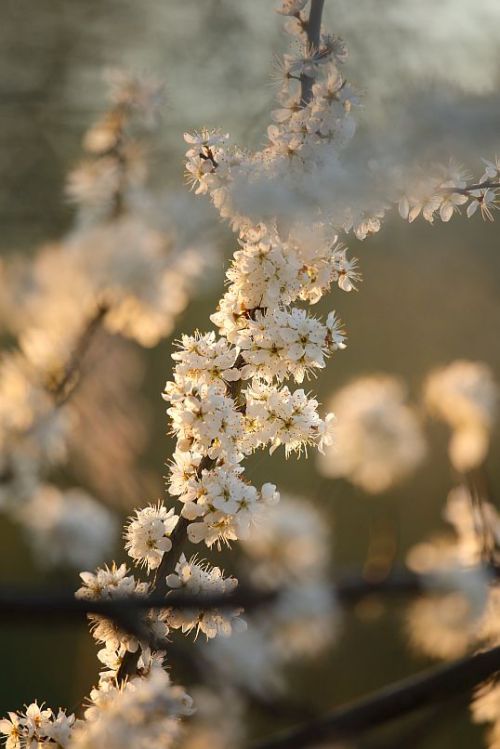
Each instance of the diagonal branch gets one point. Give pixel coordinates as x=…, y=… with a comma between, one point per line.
x=426, y=689
x=65, y=386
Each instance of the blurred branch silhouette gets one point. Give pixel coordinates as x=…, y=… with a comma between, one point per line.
x=394, y=701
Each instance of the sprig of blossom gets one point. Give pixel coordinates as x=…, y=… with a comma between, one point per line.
x=147, y=534
x=464, y=614
x=109, y=583
x=143, y=713
x=37, y=726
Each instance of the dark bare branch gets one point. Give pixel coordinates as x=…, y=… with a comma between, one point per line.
x=427, y=689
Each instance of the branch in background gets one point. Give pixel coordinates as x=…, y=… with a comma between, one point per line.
x=433, y=686
x=415, y=732
x=66, y=385
x=63, y=388
x=352, y=588
x=17, y=606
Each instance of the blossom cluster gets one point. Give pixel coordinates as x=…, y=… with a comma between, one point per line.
x=37, y=726
x=229, y=397
x=143, y=713
x=442, y=191
x=298, y=172
x=380, y=438
x=202, y=580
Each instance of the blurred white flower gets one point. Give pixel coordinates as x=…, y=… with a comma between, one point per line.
x=379, y=440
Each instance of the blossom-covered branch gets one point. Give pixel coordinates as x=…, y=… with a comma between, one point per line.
x=239, y=390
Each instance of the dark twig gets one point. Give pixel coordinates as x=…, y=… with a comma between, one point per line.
x=63, y=388
x=414, y=732
x=486, y=185
x=313, y=31
x=426, y=689
x=27, y=606
x=352, y=588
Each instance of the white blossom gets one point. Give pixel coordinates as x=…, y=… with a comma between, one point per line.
x=202, y=579
x=145, y=712
x=37, y=726
x=147, y=534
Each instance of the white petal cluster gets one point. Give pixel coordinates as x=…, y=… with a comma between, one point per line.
x=147, y=534
x=213, y=724
x=28, y=421
x=441, y=626
x=202, y=579
x=294, y=543
x=221, y=505
x=283, y=343
x=485, y=708
x=299, y=169
x=268, y=273
x=205, y=421
x=477, y=528
x=143, y=713
x=464, y=395
x=37, y=726
x=279, y=416
x=205, y=359
x=442, y=191
x=379, y=440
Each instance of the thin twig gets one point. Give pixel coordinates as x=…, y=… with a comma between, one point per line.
x=28, y=604
x=313, y=31
x=65, y=386
x=470, y=188
x=31, y=605
x=426, y=689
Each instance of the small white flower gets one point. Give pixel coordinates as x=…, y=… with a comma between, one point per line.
x=147, y=534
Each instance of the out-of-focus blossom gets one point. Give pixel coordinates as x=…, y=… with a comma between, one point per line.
x=68, y=527
x=378, y=436
x=464, y=395
x=290, y=549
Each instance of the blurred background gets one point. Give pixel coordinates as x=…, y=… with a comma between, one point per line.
x=429, y=76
